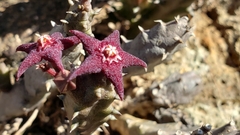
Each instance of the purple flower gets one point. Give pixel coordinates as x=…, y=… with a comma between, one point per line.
x=48, y=48
x=105, y=56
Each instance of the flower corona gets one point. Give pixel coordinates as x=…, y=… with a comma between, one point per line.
x=44, y=41
x=110, y=54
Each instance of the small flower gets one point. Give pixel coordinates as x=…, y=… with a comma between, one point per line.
x=48, y=48
x=105, y=56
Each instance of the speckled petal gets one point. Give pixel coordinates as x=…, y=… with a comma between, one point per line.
x=115, y=75
x=91, y=44
x=130, y=60
x=89, y=65
x=53, y=55
x=26, y=47
x=29, y=61
x=70, y=41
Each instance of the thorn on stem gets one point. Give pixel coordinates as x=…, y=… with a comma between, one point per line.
x=74, y=126
x=64, y=21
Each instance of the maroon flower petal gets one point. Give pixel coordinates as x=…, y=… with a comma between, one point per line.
x=27, y=63
x=90, y=43
x=130, y=60
x=26, y=47
x=89, y=65
x=70, y=41
x=115, y=76
x=113, y=39
x=54, y=55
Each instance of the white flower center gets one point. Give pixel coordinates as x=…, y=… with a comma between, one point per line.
x=110, y=54
x=44, y=42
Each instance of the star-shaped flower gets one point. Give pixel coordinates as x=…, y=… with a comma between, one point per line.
x=105, y=56
x=48, y=48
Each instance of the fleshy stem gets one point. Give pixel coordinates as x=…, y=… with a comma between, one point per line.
x=79, y=17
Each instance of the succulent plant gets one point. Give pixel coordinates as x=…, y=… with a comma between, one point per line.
x=88, y=91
